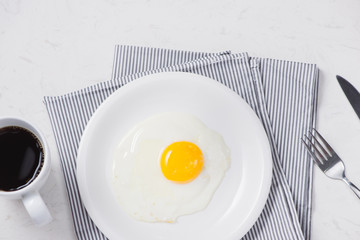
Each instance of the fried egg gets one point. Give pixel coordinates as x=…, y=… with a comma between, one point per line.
x=167, y=166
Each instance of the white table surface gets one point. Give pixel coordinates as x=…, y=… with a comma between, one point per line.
x=54, y=47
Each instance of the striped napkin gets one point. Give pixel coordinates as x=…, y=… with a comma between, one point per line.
x=282, y=93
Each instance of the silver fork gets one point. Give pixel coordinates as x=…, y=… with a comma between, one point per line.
x=327, y=159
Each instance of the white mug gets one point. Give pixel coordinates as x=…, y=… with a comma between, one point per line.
x=29, y=194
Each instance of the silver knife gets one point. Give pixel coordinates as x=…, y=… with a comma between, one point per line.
x=351, y=93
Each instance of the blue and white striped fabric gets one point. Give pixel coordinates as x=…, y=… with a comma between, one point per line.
x=282, y=93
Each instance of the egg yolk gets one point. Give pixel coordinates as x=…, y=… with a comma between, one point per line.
x=181, y=162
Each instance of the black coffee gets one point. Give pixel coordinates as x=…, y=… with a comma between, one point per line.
x=21, y=158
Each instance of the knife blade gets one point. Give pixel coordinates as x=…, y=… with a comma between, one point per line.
x=351, y=93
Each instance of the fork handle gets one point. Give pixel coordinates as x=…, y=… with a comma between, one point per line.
x=352, y=186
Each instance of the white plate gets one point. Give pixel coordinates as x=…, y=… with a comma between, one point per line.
x=240, y=198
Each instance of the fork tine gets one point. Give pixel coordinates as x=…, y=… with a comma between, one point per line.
x=326, y=153
x=324, y=141
x=313, y=155
x=321, y=157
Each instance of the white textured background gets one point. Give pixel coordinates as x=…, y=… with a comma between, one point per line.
x=54, y=47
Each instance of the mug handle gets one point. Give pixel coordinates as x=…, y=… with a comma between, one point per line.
x=36, y=208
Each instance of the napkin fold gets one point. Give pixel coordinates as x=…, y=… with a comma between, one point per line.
x=282, y=93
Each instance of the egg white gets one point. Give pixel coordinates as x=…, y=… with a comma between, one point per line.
x=138, y=182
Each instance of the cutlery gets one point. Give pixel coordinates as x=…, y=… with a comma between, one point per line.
x=351, y=93
x=327, y=159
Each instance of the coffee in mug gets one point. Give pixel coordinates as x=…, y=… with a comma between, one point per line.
x=21, y=158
